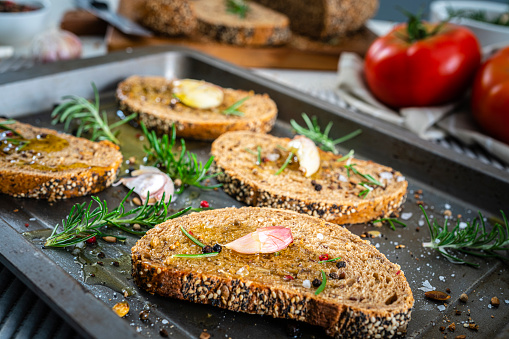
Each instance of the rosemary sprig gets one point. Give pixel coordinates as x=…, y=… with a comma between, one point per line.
x=91, y=120
x=237, y=7
x=474, y=239
x=346, y=156
x=233, y=109
x=3, y=125
x=193, y=239
x=259, y=155
x=287, y=161
x=322, y=285
x=83, y=222
x=391, y=222
x=369, y=180
x=195, y=256
x=314, y=133
x=184, y=165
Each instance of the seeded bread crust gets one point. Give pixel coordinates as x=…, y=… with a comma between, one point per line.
x=82, y=167
x=151, y=97
x=368, y=296
x=168, y=17
x=261, y=26
x=324, y=19
x=331, y=193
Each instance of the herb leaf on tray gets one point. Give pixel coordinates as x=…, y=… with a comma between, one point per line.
x=91, y=119
x=473, y=239
x=183, y=165
x=313, y=132
x=84, y=223
x=237, y=7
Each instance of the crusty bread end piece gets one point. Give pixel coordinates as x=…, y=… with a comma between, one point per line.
x=331, y=193
x=56, y=165
x=365, y=294
x=151, y=97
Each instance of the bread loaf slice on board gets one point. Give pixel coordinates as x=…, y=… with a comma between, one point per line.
x=365, y=295
x=330, y=193
x=168, y=17
x=260, y=27
x=324, y=19
x=151, y=97
x=54, y=165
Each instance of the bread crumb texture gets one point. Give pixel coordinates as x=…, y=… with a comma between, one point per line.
x=331, y=193
x=55, y=165
x=151, y=98
x=365, y=294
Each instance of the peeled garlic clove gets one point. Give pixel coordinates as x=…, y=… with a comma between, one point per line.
x=307, y=153
x=198, y=94
x=263, y=240
x=56, y=44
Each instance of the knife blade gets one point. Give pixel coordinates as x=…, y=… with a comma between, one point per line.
x=120, y=22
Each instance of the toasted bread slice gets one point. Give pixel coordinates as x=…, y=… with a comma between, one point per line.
x=151, y=98
x=365, y=294
x=261, y=26
x=333, y=193
x=168, y=17
x=51, y=165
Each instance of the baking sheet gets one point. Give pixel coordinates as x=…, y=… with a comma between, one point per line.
x=448, y=182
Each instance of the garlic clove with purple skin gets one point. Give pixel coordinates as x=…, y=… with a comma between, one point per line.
x=56, y=44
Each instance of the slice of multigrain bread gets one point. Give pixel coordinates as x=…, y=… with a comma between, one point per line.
x=365, y=295
x=260, y=27
x=324, y=19
x=44, y=164
x=168, y=17
x=333, y=192
x=151, y=97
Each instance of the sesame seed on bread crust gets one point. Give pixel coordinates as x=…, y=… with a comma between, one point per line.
x=331, y=193
x=365, y=294
x=56, y=165
x=151, y=98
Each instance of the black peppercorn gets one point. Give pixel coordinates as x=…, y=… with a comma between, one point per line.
x=340, y=264
x=318, y=187
x=207, y=249
x=144, y=315
x=333, y=275
x=317, y=282
x=101, y=255
x=163, y=333
x=217, y=248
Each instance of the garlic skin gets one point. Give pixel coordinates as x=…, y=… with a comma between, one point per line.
x=56, y=44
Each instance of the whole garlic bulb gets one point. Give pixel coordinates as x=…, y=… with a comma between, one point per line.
x=56, y=44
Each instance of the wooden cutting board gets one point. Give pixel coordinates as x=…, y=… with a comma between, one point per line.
x=300, y=53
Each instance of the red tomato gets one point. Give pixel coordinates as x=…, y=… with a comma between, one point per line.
x=490, y=96
x=406, y=68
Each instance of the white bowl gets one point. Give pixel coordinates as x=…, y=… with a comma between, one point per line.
x=487, y=33
x=19, y=28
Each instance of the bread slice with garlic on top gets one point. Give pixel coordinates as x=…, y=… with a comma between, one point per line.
x=327, y=277
x=44, y=164
x=346, y=191
x=199, y=110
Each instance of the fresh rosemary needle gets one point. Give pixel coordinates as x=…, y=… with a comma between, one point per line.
x=391, y=222
x=314, y=133
x=91, y=120
x=287, y=161
x=368, y=180
x=237, y=7
x=233, y=109
x=83, y=222
x=472, y=239
x=183, y=165
x=322, y=285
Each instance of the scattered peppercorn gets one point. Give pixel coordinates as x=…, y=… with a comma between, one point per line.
x=448, y=290
x=288, y=277
x=463, y=298
x=207, y=249
x=317, y=282
x=342, y=275
x=101, y=255
x=318, y=187
x=26, y=225
x=442, y=328
x=163, y=333
x=458, y=312
x=92, y=275
x=217, y=248
x=100, y=263
x=333, y=275
x=323, y=257
x=92, y=240
x=144, y=315
x=116, y=264
x=204, y=204
x=340, y=264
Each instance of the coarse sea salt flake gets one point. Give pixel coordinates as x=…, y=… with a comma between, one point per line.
x=406, y=216
x=306, y=284
x=442, y=278
x=463, y=225
x=421, y=222
x=447, y=206
x=319, y=236
x=164, y=322
x=342, y=178
x=386, y=175
x=426, y=286
x=400, y=178
x=441, y=308
x=506, y=301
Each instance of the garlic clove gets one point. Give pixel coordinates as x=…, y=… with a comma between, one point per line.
x=198, y=93
x=307, y=153
x=56, y=44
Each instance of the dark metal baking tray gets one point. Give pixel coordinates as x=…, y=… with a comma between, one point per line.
x=62, y=278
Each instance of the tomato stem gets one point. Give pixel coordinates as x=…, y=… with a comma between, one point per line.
x=416, y=30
